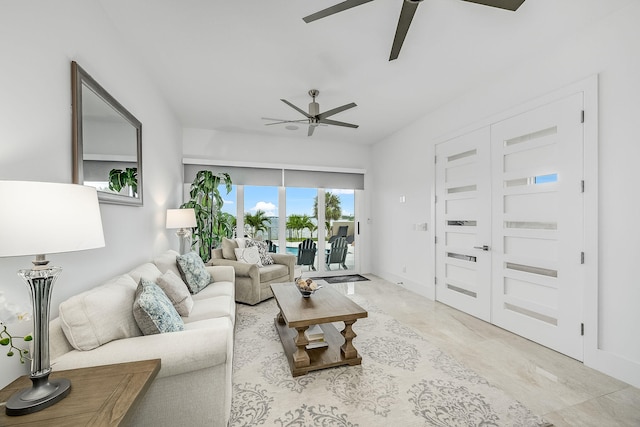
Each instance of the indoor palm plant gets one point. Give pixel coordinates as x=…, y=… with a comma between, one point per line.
x=119, y=179
x=206, y=201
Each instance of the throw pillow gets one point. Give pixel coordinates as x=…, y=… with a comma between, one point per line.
x=153, y=311
x=228, y=246
x=263, y=250
x=177, y=291
x=193, y=272
x=248, y=255
x=99, y=315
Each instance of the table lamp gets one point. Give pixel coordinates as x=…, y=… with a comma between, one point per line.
x=183, y=220
x=39, y=218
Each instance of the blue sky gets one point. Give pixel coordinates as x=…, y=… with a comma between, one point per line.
x=299, y=200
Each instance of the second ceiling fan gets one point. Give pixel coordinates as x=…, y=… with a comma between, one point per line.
x=314, y=117
x=406, y=15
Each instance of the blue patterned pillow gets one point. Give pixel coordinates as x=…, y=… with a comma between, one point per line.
x=153, y=311
x=193, y=271
x=263, y=251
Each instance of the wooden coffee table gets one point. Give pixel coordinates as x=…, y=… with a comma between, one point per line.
x=324, y=307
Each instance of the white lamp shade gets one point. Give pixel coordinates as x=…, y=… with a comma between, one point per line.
x=181, y=218
x=38, y=218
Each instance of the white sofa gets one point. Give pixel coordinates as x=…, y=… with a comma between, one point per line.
x=194, y=384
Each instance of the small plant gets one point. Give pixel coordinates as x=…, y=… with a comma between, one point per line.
x=6, y=339
x=119, y=179
x=11, y=313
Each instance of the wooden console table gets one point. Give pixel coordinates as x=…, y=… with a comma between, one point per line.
x=100, y=396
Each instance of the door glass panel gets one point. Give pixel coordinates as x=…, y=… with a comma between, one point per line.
x=261, y=212
x=341, y=229
x=302, y=225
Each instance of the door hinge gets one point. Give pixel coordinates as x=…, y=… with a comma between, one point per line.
x=582, y=186
x=435, y=159
x=581, y=257
x=435, y=239
x=581, y=329
x=582, y=116
x=435, y=199
x=435, y=280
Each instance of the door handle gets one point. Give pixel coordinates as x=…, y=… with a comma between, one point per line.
x=484, y=247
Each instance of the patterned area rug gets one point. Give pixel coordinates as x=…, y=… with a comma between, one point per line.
x=343, y=279
x=404, y=380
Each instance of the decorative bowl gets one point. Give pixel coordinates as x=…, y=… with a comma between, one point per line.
x=307, y=287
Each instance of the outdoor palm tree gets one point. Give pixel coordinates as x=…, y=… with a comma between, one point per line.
x=258, y=221
x=332, y=209
x=298, y=223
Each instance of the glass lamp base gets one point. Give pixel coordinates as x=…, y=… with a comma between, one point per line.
x=42, y=394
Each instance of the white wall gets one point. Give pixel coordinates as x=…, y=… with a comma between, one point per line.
x=608, y=48
x=38, y=41
x=307, y=151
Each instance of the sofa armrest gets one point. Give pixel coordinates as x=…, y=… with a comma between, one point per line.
x=206, y=343
x=222, y=273
x=288, y=260
x=241, y=268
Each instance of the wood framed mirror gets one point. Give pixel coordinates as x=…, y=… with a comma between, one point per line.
x=107, y=142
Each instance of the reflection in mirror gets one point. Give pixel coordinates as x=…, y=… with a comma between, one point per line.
x=107, y=142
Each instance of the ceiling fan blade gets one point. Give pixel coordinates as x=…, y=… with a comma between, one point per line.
x=296, y=108
x=348, y=4
x=512, y=5
x=337, y=123
x=280, y=121
x=406, y=16
x=311, y=129
x=336, y=110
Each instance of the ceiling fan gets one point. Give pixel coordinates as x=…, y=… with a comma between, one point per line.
x=406, y=15
x=314, y=117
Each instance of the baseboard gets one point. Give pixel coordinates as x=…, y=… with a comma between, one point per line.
x=613, y=365
x=419, y=288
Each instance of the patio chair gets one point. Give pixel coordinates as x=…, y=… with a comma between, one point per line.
x=342, y=232
x=271, y=246
x=307, y=254
x=337, y=253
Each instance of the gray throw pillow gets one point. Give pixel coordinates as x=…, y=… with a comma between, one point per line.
x=153, y=310
x=177, y=291
x=193, y=272
x=228, y=249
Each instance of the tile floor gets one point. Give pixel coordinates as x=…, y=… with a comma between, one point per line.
x=561, y=389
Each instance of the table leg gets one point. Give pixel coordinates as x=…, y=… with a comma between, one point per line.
x=280, y=318
x=300, y=357
x=348, y=350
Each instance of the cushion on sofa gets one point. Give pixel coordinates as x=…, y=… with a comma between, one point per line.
x=248, y=255
x=153, y=311
x=222, y=306
x=216, y=289
x=99, y=315
x=228, y=249
x=273, y=272
x=167, y=261
x=177, y=291
x=147, y=270
x=193, y=272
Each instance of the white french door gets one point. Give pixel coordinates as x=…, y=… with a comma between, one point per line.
x=463, y=209
x=514, y=209
x=538, y=234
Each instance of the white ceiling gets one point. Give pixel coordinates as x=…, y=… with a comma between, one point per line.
x=224, y=64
